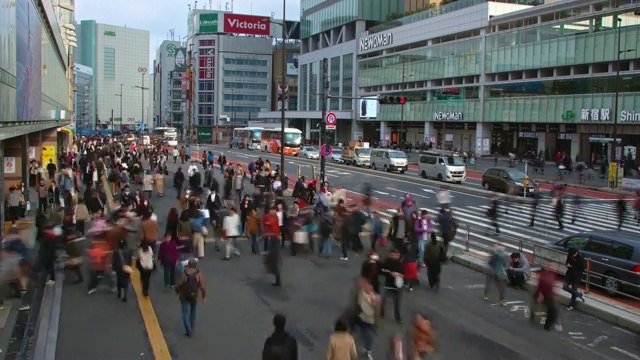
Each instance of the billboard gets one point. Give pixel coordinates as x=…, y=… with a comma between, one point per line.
x=368, y=108
x=292, y=64
x=28, y=62
x=246, y=24
x=208, y=23
x=181, y=55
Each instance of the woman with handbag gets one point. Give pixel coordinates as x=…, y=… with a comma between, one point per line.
x=121, y=264
x=145, y=265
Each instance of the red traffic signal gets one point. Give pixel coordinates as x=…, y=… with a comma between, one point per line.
x=392, y=100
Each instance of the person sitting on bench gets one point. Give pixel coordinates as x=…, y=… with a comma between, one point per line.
x=519, y=271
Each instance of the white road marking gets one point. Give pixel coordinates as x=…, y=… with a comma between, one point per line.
x=474, y=286
x=579, y=337
x=380, y=192
x=625, y=352
x=429, y=191
x=519, y=307
x=598, y=340
x=513, y=302
x=623, y=330
x=543, y=320
x=575, y=333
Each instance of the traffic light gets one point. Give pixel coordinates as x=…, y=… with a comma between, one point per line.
x=526, y=182
x=392, y=100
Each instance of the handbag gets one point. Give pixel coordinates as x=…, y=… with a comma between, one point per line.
x=399, y=282
x=127, y=269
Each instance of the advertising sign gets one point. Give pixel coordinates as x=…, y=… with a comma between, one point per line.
x=208, y=23
x=246, y=24
x=32, y=152
x=205, y=134
x=171, y=50
x=292, y=64
x=369, y=108
x=48, y=154
x=180, y=58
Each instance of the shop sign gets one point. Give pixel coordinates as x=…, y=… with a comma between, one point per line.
x=208, y=23
x=565, y=136
x=375, y=41
x=528, y=135
x=109, y=33
x=447, y=115
x=568, y=115
x=246, y=24
x=629, y=116
x=595, y=115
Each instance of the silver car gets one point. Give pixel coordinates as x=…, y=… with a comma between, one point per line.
x=336, y=156
x=308, y=152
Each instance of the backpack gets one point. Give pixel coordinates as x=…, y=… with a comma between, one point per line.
x=190, y=288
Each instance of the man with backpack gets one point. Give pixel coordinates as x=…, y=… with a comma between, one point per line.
x=188, y=287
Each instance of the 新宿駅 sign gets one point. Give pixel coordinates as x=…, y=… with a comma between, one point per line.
x=208, y=23
x=245, y=24
x=629, y=116
x=447, y=115
x=375, y=41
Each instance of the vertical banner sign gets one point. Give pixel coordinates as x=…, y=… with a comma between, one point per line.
x=32, y=152
x=207, y=64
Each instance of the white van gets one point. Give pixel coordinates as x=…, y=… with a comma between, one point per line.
x=444, y=166
x=389, y=160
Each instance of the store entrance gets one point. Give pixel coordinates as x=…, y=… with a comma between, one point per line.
x=527, y=148
x=502, y=142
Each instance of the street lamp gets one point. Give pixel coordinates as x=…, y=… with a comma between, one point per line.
x=142, y=89
x=614, y=148
x=120, y=95
x=283, y=24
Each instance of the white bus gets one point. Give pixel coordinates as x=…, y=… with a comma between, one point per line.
x=168, y=133
x=247, y=138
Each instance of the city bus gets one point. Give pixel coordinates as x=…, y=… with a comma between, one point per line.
x=168, y=133
x=247, y=138
x=271, y=141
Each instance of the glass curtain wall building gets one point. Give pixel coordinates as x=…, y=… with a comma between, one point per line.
x=499, y=78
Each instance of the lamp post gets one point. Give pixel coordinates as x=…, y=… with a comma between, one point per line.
x=120, y=95
x=614, y=153
x=142, y=89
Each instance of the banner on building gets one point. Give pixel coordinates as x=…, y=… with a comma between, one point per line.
x=245, y=24
x=292, y=64
x=181, y=56
x=286, y=97
x=208, y=23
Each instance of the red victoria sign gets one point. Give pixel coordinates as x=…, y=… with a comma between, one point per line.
x=245, y=24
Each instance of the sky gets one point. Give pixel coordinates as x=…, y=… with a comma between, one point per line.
x=159, y=16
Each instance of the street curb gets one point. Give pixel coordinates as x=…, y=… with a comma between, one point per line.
x=46, y=336
x=9, y=326
x=629, y=320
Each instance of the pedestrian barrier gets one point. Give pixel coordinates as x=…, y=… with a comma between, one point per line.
x=611, y=280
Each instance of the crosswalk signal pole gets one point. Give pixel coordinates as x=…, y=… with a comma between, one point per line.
x=324, y=96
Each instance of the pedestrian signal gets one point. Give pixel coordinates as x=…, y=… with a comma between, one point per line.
x=526, y=181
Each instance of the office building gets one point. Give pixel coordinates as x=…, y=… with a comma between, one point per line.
x=290, y=79
x=171, y=60
x=491, y=77
x=119, y=57
x=83, y=98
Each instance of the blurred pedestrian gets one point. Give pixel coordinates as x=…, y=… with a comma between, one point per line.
x=342, y=346
x=280, y=345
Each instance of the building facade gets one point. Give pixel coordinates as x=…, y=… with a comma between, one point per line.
x=119, y=57
x=83, y=98
x=36, y=67
x=492, y=77
x=290, y=79
x=230, y=64
x=170, y=56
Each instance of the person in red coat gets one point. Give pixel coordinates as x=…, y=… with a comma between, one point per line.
x=545, y=295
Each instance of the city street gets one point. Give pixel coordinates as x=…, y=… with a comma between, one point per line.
x=236, y=318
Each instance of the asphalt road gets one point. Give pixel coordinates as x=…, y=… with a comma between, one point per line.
x=236, y=318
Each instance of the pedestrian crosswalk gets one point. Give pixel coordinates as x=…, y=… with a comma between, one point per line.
x=514, y=219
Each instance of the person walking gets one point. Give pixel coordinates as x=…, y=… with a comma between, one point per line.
x=271, y=232
x=434, y=255
x=158, y=182
x=145, y=266
x=252, y=229
x=367, y=310
x=545, y=295
x=342, y=346
x=189, y=286
x=496, y=274
x=168, y=257
x=423, y=229
x=121, y=264
x=575, y=267
x=280, y=345
x=393, y=271
x=492, y=213
x=231, y=228
x=422, y=339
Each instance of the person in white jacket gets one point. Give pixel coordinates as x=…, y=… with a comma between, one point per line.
x=231, y=227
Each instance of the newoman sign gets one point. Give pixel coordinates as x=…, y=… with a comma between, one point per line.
x=376, y=41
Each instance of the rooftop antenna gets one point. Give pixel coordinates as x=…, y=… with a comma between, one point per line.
x=232, y=6
x=172, y=32
x=210, y=4
x=195, y=7
x=219, y=5
x=226, y=6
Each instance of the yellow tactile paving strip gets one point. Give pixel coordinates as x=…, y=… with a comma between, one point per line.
x=154, y=332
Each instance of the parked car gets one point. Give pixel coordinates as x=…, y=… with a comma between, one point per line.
x=442, y=165
x=336, y=156
x=309, y=152
x=615, y=258
x=508, y=181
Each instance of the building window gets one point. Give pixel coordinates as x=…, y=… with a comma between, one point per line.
x=347, y=80
x=237, y=85
x=109, y=63
x=313, y=86
x=206, y=109
x=335, y=83
x=240, y=97
x=303, y=87
x=253, y=74
x=205, y=97
x=205, y=85
x=242, y=109
x=247, y=62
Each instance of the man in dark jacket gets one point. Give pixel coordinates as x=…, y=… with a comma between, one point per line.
x=447, y=227
x=178, y=180
x=575, y=267
x=280, y=345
